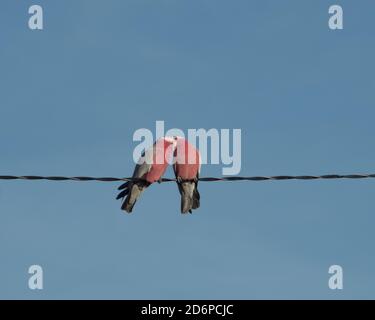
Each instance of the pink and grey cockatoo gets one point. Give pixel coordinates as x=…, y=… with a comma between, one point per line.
x=150, y=169
x=187, y=168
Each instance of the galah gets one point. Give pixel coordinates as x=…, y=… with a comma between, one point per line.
x=187, y=168
x=150, y=168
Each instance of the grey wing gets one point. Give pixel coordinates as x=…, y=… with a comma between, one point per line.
x=139, y=171
x=145, y=166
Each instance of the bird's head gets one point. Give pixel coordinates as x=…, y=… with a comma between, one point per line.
x=172, y=140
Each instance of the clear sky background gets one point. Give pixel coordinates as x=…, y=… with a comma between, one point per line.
x=72, y=95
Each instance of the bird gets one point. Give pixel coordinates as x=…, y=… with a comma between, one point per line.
x=149, y=169
x=187, y=165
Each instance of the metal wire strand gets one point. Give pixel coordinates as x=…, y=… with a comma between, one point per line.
x=205, y=179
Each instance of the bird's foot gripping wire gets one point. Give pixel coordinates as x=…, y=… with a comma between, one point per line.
x=180, y=180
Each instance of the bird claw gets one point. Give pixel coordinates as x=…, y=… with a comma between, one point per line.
x=179, y=179
x=160, y=180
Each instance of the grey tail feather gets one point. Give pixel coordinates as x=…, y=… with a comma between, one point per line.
x=196, y=198
x=124, y=186
x=189, y=203
x=122, y=194
x=186, y=204
x=196, y=195
x=127, y=205
x=130, y=200
x=188, y=198
x=125, y=190
x=132, y=191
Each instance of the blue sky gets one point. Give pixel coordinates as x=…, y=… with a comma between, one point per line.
x=73, y=94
